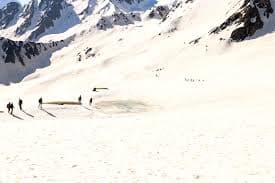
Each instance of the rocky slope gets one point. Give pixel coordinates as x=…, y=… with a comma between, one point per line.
x=40, y=18
x=28, y=15
x=252, y=16
x=53, y=10
x=8, y=13
x=47, y=20
x=22, y=52
x=18, y=58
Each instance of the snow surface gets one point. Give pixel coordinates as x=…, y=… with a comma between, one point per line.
x=173, y=112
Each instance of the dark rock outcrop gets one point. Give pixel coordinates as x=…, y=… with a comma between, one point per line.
x=249, y=17
x=8, y=14
x=19, y=51
x=131, y=1
x=27, y=14
x=107, y=22
x=52, y=12
x=159, y=12
x=18, y=59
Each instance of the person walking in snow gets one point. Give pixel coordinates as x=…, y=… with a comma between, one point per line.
x=20, y=103
x=79, y=99
x=40, y=101
x=8, y=107
x=91, y=101
x=11, y=108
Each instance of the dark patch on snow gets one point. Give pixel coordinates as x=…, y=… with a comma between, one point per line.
x=195, y=41
x=87, y=52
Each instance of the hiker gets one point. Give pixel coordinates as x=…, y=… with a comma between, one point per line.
x=20, y=102
x=91, y=101
x=79, y=99
x=8, y=107
x=11, y=108
x=40, y=101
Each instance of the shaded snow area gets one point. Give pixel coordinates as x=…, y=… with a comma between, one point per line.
x=162, y=100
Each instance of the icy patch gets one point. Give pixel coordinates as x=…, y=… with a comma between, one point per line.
x=122, y=106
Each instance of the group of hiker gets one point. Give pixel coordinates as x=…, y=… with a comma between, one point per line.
x=80, y=100
x=10, y=105
x=10, y=108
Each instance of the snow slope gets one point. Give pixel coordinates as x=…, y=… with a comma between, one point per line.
x=173, y=111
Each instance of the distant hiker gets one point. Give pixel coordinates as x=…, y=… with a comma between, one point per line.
x=8, y=107
x=11, y=108
x=20, y=103
x=91, y=101
x=40, y=101
x=79, y=99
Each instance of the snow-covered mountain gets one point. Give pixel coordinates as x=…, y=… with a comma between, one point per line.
x=55, y=20
x=172, y=91
x=39, y=18
x=238, y=19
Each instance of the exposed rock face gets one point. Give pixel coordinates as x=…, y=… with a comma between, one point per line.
x=107, y=22
x=41, y=17
x=89, y=9
x=52, y=11
x=38, y=17
x=19, y=51
x=44, y=4
x=8, y=14
x=27, y=14
x=21, y=58
x=159, y=12
x=249, y=17
x=131, y=1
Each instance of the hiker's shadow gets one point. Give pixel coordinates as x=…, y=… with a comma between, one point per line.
x=86, y=108
x=17, y=117
x=27, y=113
x=50, y=114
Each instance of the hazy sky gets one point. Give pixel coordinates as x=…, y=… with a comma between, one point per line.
x=23, y=1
